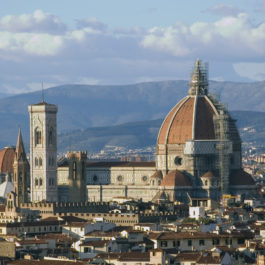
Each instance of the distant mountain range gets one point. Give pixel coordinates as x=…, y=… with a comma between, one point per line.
x=141, y=134
x=84, y=109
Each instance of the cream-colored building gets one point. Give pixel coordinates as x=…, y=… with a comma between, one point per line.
x=198, y=157
x=43, y=152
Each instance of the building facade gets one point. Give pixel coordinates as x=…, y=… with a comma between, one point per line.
x=43, y=152
x=198, y=156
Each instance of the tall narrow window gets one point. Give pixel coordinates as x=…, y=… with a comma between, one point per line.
x=36, y=162
x=40, y=181
x=36, y=182
x=74, y=170
x=40, y=161
x=20, y=178
x=37, y=136
x=50, y=136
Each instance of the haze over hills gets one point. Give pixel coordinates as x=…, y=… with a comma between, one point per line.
x=141, y=134
x=86, y=106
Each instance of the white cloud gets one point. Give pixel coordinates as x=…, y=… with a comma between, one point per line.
x=93, y=53
x=36, y=22
x=92, y=23
x=253, y=71
x=223, y=10
x=230, y=38
x=30, y=43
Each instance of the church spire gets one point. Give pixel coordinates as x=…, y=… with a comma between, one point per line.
x=20, y=150
x=199, y=79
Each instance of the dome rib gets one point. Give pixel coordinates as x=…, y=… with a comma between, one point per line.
x=204, y=126
x=163, y=133
x=190, y=119
x=7, y=156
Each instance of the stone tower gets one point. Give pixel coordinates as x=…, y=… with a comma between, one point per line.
x=21, y=178
x=77, y=176
x=43, y=152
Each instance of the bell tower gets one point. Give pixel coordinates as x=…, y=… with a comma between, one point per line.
x=21, y=172
x=43, y=152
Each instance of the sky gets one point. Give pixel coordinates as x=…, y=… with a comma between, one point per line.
x=113, y=42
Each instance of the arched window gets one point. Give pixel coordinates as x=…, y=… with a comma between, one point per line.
x=206, y=183
x=50, y=136
x=74, y=170
x=36, y=182
x=37, y=136
x=20, y=177
x=51, y=182
x=40, y=181
x=36, y=162
x=40, y=161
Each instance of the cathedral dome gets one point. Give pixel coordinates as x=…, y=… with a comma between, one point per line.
x=241, y=177
x=192, y=117
x=176, y=178
x=7, y=156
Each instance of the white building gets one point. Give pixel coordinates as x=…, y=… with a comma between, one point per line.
x=43, y=152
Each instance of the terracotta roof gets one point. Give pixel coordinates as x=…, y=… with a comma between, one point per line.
x=76, y=224
x=158, y=174
x=27, y=224
x=209, y=259
x=191, y=118
x=135, y=256
x=204, y=126
x=32, y=242
x=45, y=262
x=188, y=256
x=197, y=235
x=176, y=178
x=240, y=177
x=96, y=243
x=208, y=174
x=7, y=156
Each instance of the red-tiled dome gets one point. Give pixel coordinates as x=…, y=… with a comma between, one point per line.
x=208, y=175
x=191, y=118
x=176, y=178
x=157, y=175
x=7, y=156
x=240, y=177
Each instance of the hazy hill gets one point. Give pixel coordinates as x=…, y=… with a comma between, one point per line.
x=84, y=106
x=144, y=133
